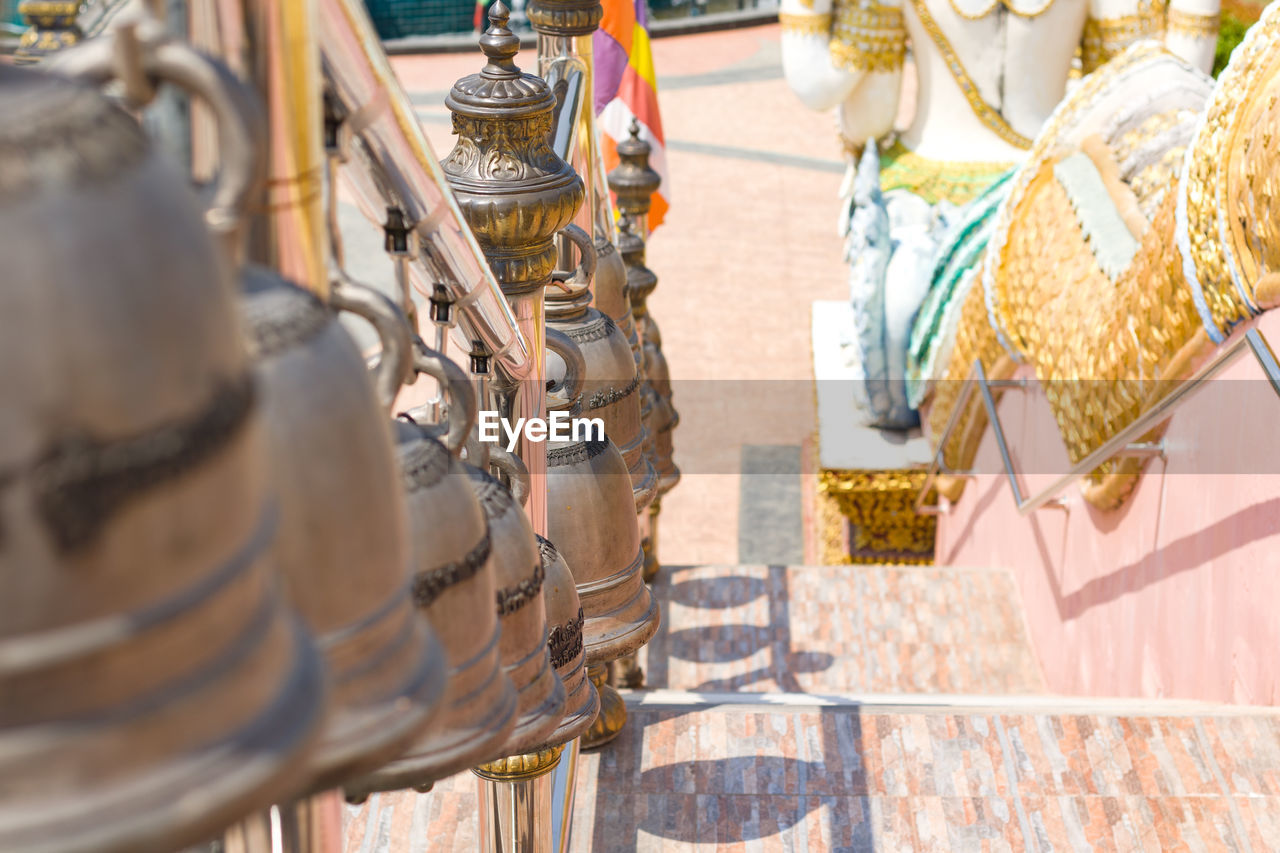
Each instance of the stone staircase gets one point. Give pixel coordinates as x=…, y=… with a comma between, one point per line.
x=874, y=708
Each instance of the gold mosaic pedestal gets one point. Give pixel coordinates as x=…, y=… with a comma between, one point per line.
x=880, y=509
x=51, y=26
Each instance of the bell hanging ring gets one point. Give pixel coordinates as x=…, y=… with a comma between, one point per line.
x=454, y=588
x=155, y=686
x=455, y=428
x=612, y=384
x=343, y=548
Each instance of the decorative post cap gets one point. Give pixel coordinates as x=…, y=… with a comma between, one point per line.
x=633, y=181
x=514, y=191
x=565, y=17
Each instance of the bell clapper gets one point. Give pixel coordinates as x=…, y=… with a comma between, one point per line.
x=626, y=672
x=309, y=825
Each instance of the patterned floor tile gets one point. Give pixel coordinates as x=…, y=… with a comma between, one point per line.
x=839, y=779
x=839, y=630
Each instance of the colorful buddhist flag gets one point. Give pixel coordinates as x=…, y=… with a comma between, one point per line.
x=627, y=88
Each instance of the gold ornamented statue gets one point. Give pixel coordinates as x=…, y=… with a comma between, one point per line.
x=1141, y=230
x=925, y=189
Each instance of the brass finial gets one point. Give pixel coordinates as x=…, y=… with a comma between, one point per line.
x=500, y=44
x=633, y=181
x=513, y=189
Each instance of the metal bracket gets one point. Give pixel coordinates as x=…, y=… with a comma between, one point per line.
x=977, y=378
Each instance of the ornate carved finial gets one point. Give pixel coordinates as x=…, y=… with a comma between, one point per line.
x=633, y=181
x=500, y=44
x=513, y=189
x=565, y=17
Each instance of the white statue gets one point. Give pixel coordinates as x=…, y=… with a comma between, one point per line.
x=989, y=74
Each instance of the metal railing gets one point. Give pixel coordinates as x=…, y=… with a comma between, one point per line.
x=1121, y=445
x=393, y=164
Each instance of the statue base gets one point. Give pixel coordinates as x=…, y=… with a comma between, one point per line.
x=880, y=508
x=868, y=476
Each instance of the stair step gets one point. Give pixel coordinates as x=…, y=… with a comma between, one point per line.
x=713, y=770
x=840, y=629
x=936, y=703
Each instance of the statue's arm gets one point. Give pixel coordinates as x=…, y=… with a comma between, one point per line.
x=1189, y=28
x=846, y=54
x=1191, y=31
x=1113, y=25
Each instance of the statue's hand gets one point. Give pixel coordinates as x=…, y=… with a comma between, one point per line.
x=860, y=188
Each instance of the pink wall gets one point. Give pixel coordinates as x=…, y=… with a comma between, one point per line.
x=1177, y=593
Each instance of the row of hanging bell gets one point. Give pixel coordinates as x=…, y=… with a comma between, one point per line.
x=344, y=545
x=590, y=496
x=641, y=282
x=172, y=673
x=156, y=684
x=514, y=635
x=634, y=182
x=591, y=514
x=613, y=382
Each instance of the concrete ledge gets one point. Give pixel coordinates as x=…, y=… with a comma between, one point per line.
x=939, y=703
x=842, y=443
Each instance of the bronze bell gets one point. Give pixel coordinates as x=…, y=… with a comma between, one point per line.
x=518, y=572
x=666, y=418
x=454, y=586
x=612, y=384
x=343, y=547
x=641, y=282
x=591, y=517
x=634, y=182
x=610, y=295
x=564, y=641
x=155, y=686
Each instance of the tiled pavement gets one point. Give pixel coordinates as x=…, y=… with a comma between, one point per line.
x=747, y=778
x=872, y=708
x=845, y=629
